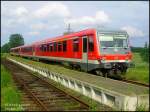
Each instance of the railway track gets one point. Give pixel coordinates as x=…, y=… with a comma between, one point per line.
x=41, y=95
x=135, y=82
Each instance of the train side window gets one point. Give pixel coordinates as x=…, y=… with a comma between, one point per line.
x=91, y=44
x=40, y=48
x=33, y=49
x=76, y=45
x=55, y=46
x=64, y=46
x=47, y=47
x=51, y=47
x=44, y=48
x=59, y=46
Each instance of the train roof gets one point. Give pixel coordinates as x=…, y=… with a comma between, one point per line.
x=22, y=46
x=79, y=32
x=112, y=31
x=72, y=34
x=65, y=36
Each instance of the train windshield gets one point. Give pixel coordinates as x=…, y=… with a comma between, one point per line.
x=113, y=41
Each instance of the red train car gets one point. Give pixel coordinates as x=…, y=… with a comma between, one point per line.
x=90, y=50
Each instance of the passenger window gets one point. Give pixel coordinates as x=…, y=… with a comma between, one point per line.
x=55, y=46
x=44, y=48
x=76, y=45
x=47, y=47
x=64, y=46
x=41, y=48
x=33, y=49
x=51, y=47
x=91, y=44
x=59, y=46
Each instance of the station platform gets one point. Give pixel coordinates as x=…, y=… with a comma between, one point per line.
x=116, y=94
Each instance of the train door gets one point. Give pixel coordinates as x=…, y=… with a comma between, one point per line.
x=85, y=53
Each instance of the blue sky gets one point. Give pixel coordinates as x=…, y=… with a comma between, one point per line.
x=37, y=20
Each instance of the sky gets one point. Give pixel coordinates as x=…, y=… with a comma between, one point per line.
x=38, y=20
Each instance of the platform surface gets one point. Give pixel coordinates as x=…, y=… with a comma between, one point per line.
x=98, y=81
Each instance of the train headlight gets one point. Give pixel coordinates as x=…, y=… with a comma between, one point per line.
x=103, y=58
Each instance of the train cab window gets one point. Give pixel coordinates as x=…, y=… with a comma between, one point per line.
x=76, y=45
x=51, y=47
x=59, y=46
x=55, y=46
x=64, y=46
x=91, y=44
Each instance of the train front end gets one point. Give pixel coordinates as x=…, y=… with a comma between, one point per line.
x=115, y=54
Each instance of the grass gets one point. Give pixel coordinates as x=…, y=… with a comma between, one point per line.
x=10, y=96
x=4, y=55
x=140, y=72
x=141, y=108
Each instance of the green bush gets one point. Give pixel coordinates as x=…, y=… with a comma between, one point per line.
x=10, y=96
x=144, y=52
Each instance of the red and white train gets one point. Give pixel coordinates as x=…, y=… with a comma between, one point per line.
x=90, y=50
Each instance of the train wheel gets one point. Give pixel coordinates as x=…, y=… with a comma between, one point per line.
x=98, y=72
x=118, y=74
x=111, y=73
x=79, y=68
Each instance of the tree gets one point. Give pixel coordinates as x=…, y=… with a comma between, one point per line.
x=5, y=48
x=16, y=40
x=145, y=45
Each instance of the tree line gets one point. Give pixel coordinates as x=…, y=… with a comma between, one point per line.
x=143, y=51
x=14, y=41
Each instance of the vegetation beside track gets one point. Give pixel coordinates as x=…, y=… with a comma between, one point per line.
x=140, y=72
x=10, y=96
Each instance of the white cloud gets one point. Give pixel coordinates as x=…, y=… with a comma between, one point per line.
x=99, y=18
x=52, y=9
x=20, y=11
x=39, y=26
x=133, y=32
x=13, y=17
x=34, y=33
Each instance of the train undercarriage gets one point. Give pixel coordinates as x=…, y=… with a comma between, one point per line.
x=114, y=70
